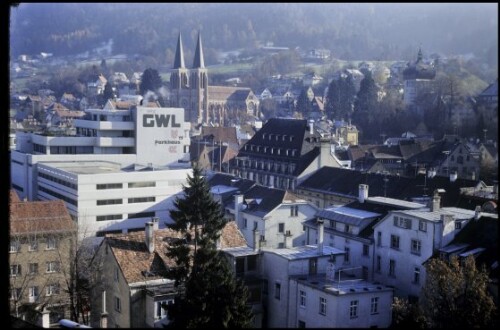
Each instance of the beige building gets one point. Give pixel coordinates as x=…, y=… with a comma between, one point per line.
x=132, y=277
x=41, y=241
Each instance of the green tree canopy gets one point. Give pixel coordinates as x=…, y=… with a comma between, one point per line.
x=150, y=81
x=209, y=294
x=340, y=98
x=304, y=104
x=455, y=295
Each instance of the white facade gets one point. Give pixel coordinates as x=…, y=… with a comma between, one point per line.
x=283, y=222
x=314, y=271
x=406, y=239
x=147, y=136
x=104, y=197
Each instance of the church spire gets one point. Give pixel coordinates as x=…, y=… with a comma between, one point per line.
x=419, y=56
x=199, y=62
x=179, y=55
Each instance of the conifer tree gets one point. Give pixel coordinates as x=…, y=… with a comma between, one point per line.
x=209, y=294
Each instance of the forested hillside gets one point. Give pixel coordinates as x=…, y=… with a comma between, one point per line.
x=351, y=31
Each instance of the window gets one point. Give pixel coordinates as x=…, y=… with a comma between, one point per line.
x=160, y=312
x=392, y=268
x=313, y=266
x=33, y=293
x=245, y=222
x=141, y=200
x=347, y=256
x=33, y=245
x=118, y=304
x=333, y=224
x=374, y=306
x=33, y=268
x=14, y=247
x=117, y=274
x=15, y=293
x=277, y=290
x=52, y=266
x=109, y=186
x=379, y=238
x=415, y=246
x=416, y=275
x=322, y=306
x=141, y=184
x=353, y=311
x=52, y=289
x=51, y=243
x=379, y=262
x=141, y=215
x=108, y=217
x=301, y=324
x=294, y=210
x=109, y=201
x=15, y=270
x=281, y=227
x=255, y=225
x=347, y=228
x=402, y=222
x=302, y=299
x=366, y=249
x=422, y=225
x=395, y=242
x=458, y=225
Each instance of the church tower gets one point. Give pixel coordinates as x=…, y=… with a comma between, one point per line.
x=179, y=81
x=199, y=86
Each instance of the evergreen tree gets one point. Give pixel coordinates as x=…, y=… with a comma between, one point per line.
x=209, y=294
x=340, y=97
x=150, y=81
x=455, y=295
x=304, y=104
x=366, y=103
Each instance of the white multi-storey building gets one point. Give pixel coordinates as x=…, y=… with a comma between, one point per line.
x=104, y=197
x=139, y=135
x=405, y=239
x=308, y=287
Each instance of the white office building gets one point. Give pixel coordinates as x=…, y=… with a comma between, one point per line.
x=139, y=135
x=123, y=166
x=104, y=197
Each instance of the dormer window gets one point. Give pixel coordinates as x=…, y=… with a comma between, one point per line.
x=263, y=136
x=284, y=137
x=291, y=138
x=270, y=137
x=279, y=151
x=277, y=137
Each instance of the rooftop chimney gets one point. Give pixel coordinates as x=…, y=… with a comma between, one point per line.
x=156, y=222
x=288, y=239
x=149, y=237
x=311, y=126
x=255, y=240
x=363, y=193
x=44, y=318
x=436, y=202
x=477, y=213
x=431, y=173
x=238, y=202
x=320, y=236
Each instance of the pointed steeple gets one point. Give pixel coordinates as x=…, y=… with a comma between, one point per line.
x=419, y=56
x=179, y=55
x=199, y=62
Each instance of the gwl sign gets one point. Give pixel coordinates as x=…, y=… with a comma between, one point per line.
x=159, y=121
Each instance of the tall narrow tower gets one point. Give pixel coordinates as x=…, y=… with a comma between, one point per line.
x=199, y=86
x=179, y=81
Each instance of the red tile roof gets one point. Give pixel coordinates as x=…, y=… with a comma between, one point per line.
x=40, y=217
x=134, y=259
